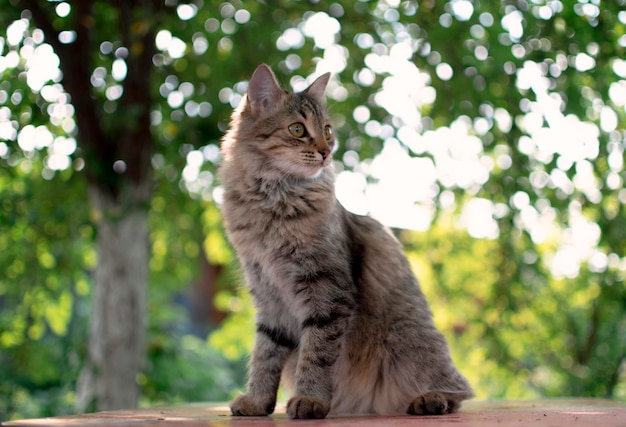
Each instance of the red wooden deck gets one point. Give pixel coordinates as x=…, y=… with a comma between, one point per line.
x=544, y=413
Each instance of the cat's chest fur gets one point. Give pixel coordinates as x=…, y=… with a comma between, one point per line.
x=266, y=214
x=283, y=225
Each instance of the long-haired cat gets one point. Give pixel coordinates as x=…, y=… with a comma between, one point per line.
x=340, y=315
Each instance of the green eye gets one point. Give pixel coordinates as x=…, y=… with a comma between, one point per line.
x=296, y=129
x=328, y=133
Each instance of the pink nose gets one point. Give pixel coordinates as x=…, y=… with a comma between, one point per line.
x=325, y=152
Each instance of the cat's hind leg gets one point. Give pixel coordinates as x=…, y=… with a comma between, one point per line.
x=435, y=403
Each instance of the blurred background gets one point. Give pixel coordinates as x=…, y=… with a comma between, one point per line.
x=488, y=134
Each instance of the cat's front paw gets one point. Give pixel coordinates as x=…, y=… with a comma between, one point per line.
x=244, y=406
x=302, y=407
x=432, y=403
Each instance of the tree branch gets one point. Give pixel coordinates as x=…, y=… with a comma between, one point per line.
x=75, y=63
x=585, y=352
x=136, y=144
x=42, y=20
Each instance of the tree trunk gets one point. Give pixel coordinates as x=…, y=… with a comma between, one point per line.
x=118, y=321
x=204, y=314
x=119, y=197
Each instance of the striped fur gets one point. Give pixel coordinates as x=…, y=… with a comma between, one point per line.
x=340, y=316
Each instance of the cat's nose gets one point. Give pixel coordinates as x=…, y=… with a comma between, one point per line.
x=325, y=152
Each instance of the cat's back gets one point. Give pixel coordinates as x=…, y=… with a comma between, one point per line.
x=379, y=257
x=393, y=350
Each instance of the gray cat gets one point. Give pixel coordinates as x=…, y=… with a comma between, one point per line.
x=340, y=315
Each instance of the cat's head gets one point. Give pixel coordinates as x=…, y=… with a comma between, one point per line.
x=289, y=132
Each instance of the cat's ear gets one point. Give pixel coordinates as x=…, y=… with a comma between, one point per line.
x=318, y=87
x=264, y=93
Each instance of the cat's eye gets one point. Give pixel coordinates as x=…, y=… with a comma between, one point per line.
x=328, y=133
x=296, y=129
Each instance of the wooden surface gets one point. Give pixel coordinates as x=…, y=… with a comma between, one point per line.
x=545, y=413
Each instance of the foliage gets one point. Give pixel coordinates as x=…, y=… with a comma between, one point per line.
x=517, y=107
x=528, y=335
x=186, y=370
x=45, y=251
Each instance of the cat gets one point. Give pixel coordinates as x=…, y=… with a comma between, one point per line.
x=340, y=315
